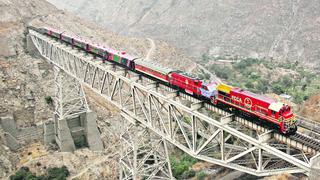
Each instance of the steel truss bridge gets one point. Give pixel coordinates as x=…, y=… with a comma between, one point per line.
x=158, y=114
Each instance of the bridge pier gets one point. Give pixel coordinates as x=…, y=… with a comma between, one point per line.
x=63, y=135
x=78, y=131
x=74, y=123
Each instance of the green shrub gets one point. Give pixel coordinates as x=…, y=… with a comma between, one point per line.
x=58, y=173
x=181, y=168
x=245, y=63
x=201, y=175
x=222, y=72
x=188, y=174
x=49, y=99
x=52, y=174
x=23, y=174
x=277, y=89
x=249, y=84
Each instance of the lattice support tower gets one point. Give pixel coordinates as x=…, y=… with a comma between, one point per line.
x=69, y=99
x=144, y=155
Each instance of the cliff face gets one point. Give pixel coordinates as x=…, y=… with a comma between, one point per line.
x=311, y=108
x=26, y=79
x=278, y=29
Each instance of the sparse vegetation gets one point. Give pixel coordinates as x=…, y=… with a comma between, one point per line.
x=266, y=76
x=181, y=167
x=49, y=100
x=201, y=175
x=52, y=173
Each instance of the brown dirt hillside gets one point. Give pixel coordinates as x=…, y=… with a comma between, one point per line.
x=311, y=108
x=25, y=81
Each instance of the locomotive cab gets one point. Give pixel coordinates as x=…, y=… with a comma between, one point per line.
x=285, y=115
x=209, y=90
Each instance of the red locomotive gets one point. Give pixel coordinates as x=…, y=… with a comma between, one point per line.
x=222, y=95
x=257, y=105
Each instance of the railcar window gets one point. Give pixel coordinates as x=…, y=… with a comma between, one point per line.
x=204, y=87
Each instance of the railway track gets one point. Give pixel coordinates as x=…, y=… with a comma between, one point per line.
x=312, y=140
x=306, y=140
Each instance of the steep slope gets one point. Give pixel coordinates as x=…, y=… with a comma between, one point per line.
x=277, y=29
x=311, y=108
x=26, y=79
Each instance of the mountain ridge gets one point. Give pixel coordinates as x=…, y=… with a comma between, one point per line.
x=278, y=29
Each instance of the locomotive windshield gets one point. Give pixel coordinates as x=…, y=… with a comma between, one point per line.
x=285, y=110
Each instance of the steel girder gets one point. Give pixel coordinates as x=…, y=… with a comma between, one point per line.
x=143, y=155
x=69, y=99
x=221, y=141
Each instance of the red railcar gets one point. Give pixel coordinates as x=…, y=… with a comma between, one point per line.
x=152, y=69
x=186, y=81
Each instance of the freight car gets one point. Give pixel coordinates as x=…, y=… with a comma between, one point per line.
x=224, y=96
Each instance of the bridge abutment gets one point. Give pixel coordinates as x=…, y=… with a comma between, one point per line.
x=30, y=47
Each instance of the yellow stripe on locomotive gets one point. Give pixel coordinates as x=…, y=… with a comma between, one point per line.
x=224, y=88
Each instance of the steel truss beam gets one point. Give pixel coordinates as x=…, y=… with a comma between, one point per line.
x=193, y=130
x=144, y=155
x=69, y=99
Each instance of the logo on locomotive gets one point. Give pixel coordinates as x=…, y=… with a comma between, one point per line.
x=235, y=98
x=248, y=102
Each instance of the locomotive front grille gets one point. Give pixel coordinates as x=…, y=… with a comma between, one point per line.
x=291, y=121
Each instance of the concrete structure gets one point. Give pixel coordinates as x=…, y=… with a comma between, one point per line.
x=63, y=135
x=92, y=132
x=31, y=48
x=77, y=132
x=11, y=142
x=16, y=137
x=8, y=125
x=74, y=123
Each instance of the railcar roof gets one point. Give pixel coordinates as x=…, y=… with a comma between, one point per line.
x=119, y=53
x=70, y=35
x=276, y=106
x=55, y=30
x=191, y=76
x=153, y=65
x=253, y=95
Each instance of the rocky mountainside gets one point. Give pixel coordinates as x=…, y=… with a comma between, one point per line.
x=311, y=108
x=278, y=29
x=26, y=79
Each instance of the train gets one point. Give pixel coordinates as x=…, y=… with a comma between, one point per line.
x=234, y=99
